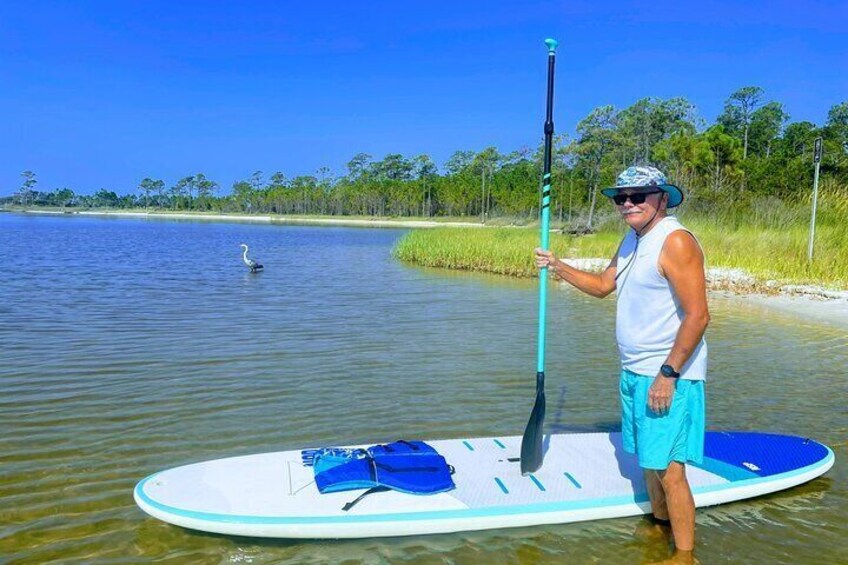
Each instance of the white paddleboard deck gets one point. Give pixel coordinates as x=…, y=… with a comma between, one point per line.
x=584, y=477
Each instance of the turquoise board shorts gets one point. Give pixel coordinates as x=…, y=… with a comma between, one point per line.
x=659, y=439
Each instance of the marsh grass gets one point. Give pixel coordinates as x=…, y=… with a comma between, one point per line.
x=505, y=251
x=767, y=239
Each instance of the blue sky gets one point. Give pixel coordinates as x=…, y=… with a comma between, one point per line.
x=101, y=94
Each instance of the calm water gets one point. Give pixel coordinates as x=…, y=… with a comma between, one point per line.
x=129, y=346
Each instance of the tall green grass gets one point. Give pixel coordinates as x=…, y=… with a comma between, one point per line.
x=767, y=238
x=506, y=251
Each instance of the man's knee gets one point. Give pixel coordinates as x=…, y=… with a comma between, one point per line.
x=674, y=475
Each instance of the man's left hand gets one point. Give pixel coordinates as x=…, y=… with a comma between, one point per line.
x=661, y=394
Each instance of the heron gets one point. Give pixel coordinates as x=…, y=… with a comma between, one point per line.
x=254, y=266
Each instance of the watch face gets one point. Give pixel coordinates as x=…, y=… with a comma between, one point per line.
x=668, y=371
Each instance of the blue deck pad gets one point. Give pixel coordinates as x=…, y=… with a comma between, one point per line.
x=761, y=454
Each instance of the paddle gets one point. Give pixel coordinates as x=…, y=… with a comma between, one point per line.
x=532, y=453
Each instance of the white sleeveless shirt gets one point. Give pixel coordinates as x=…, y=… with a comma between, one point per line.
x=648, y=314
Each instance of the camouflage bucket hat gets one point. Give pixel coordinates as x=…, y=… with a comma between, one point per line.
x=645, y=177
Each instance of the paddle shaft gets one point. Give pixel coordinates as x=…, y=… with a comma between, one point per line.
x=532, y=448
x=546, y=209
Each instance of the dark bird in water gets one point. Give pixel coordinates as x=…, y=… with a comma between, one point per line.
x=254, y=266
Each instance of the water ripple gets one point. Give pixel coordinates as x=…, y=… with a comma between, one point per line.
x=171, y=353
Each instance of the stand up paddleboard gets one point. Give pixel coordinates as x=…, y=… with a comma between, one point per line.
x=584, y=477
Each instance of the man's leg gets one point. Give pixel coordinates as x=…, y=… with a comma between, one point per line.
x=680, y=505
x=657, y=494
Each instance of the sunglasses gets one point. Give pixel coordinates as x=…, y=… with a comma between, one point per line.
x=635, y=198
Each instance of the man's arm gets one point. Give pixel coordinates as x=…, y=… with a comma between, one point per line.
x=681, y=262
x=598, y=285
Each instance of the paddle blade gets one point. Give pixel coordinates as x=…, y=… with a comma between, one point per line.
x=532, y=452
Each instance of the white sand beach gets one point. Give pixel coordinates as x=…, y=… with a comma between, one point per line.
x=809, y=301
x=257, y=218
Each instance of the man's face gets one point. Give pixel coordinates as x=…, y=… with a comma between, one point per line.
x=637, y=215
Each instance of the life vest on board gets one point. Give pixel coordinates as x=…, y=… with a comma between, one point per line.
x=413, y=467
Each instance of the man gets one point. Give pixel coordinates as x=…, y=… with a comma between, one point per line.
x=658, y=276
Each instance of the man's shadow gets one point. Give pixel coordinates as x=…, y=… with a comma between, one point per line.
x=628, y=464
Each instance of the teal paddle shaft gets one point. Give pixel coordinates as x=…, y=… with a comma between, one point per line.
x=532, y=452
x=546, y=203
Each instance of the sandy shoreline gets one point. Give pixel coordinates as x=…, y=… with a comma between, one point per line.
x=266, y=219
x=812, y=302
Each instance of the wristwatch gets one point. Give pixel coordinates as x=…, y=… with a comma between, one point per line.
x=668, y=371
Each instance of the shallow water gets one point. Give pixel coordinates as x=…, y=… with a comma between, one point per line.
x=129, y=346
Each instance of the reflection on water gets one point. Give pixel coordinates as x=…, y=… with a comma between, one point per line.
x=130, y=346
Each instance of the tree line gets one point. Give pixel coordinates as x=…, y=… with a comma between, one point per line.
x=751, y=151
